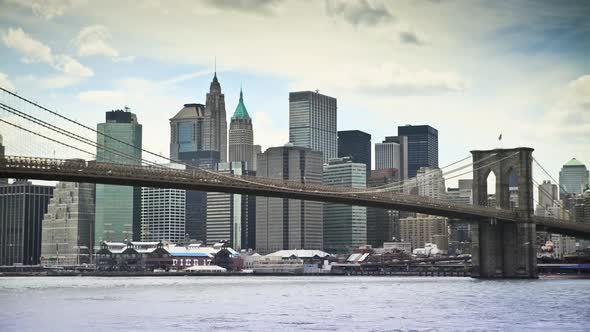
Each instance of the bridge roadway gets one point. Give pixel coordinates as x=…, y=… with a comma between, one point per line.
x=78, y=170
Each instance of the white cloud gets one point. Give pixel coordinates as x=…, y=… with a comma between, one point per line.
x=93, y=40
x=102, y=97
x=6, y=83
x=387, y=79
x=570, y=115
x=48, y=8
x=32, y=50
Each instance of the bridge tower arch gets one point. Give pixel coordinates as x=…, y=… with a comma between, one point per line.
x=502, y=249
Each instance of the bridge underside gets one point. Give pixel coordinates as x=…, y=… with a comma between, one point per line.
x=503, y=250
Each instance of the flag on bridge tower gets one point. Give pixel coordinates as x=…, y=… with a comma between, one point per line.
x=500, y=137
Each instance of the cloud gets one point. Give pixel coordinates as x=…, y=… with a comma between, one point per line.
x=92, y=40
x=102, y=97
x=570, y=115
x=71, y=70
x=48, y=8
x=32, y=50
x=389, y=79
x=267, y=133
x=359, y=12
x=408, y=37
x=263, y=7
x=6, y=83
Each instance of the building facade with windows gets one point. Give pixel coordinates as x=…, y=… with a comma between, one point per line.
x=422, y=147
x=345, y=226
x=573, y=178
x=68, y=225
x=118, y=208
x=231, y=217
x=312, y=122
x=355, y=144
x=284, y=224
x=393, y=153
x=22, y=207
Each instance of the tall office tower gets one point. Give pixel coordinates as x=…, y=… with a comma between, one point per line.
x=163, y=213
x=393, y=153
x=547, y=193
x=345, y=226
x=357, y=145
x=422, y=147
x=118, y=208
x=187, y=145
x=289, y=223
x=241, y=136
x=231, y=217
x=2, y=181
x=22, y=206
x=423, y=229
x=312, y=122
x=382, y=225
x=215, y=129
x=256, y=149
x=68, y=225
x=573, y=178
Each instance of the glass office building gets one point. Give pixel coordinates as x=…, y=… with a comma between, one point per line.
x=355, y=144
x=573, y=178
x=22, y=207
x=118, y=208
x=422, y=147
x=312, y=122
x=345, y=226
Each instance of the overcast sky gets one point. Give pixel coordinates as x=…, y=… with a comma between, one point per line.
x=470, y=69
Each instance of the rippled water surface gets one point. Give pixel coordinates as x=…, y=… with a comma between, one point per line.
x=292, y=303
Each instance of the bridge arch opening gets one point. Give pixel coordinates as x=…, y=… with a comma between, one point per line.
x=489, y=186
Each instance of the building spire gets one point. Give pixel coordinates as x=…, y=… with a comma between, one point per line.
x=215, y=66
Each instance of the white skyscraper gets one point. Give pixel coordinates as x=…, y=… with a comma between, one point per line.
x=163, y=214
x=393, y=153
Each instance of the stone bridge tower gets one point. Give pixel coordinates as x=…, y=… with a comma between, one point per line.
x=504, y=249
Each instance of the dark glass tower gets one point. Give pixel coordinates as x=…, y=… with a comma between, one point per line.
x=357, y=145
x=22, y=207
x=422, y=147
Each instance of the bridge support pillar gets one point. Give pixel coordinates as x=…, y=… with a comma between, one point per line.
x=504, y=249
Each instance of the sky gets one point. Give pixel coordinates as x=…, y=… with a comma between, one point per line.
x=471, y=69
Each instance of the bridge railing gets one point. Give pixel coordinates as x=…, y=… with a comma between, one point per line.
x=204, y=176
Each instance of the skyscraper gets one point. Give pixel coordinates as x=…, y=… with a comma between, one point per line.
x=215, y=130
x=241, y=136
x=382, y=225
x=22, y=207
x=345, y=226
x=118, y=208
x=289, y=223
x=393, y=153
x=231, y=217
x=312, y=122
x=163, y=213
x=422, y=147
x=68, y=225
x=357, y=145
x=573, y=178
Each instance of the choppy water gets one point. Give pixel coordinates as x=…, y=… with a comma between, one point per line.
x=292, y=303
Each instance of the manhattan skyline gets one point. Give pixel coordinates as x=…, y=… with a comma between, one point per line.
x=520, y=71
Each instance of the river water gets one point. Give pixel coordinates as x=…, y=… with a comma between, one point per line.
x=292, y=303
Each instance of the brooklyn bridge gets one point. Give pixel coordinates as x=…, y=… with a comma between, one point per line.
x=503, y=238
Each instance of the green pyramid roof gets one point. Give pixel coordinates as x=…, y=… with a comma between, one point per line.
x=241, y=111
x=574, y=162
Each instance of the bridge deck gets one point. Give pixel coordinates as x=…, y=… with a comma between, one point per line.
x=203, y=180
